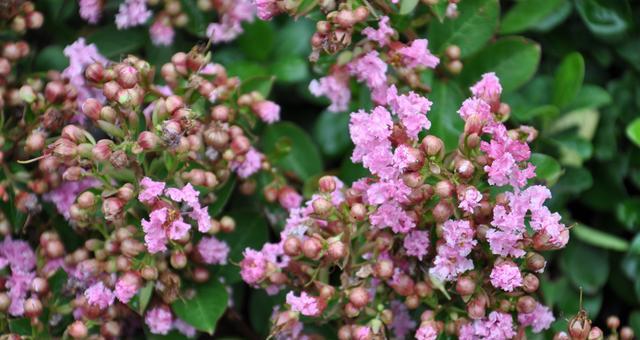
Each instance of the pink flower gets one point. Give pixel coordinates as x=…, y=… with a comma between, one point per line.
x=411, y=109
x=232, y=15
x=251, y=164
x=161, y=32
x=426, y=332
x=382, y=34
x=488, y=88
x=126, y=288
x=289, y=198
x=335, y=86
x=66, y=193
x=402, y=323
x=498, y=326
x=91, y=10
x=187, y=194
x=155, y=237
x=391, y=214
x=506, y=276
x=184, y=328
x=213, y=251
x=418, y=55
x=18, y=254
x=99, y=295
x=475, y=107
x=268, y=111
x=19, y=284
x=416, y=243
x=470, y=199
x=202, y=217
x=132, y=13
x=150, y=190
x=159, y=320
x=253, y=266
x=267, y=9
x=80, y=56
x=369, y=69
x=178, y=229
x=540, y=319
x=451, y=255
x=362, y=333
x=305, y=304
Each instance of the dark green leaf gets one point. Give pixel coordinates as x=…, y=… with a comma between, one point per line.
x=20, y=326
x=57, y=281
x=568, y=79
x=633, y=131
x=289, y=38
x=262, y=84
x=445, y=121
x=260, y=309
x=248, y=70
x=574, y=181
x=197, y=22
x=203, y=310
x=290, y=69
x=113, y=43
x=547, y=168
x=587, y=267
x=51, y=58
x=513, y=59
x=560, y=294
x=350, y=172
x=628, y=213
x=590, y=96
x=252, y=231
x=258, y=39
x=527, y=13
x=303, y=157
x=629, y=51
x=599, y=238
x=634, y=321
x=331, y=133
x=222, y=196
x=554, y=19
x=605, y=18
x=473, y=27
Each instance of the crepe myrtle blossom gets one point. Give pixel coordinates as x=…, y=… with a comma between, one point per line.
x=422, y=225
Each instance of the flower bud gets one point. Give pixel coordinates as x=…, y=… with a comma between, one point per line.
x=464, y=168
x=35, y=141
x=173, y=103
x=111, y=329
x=240, y=145
x=530, y=283
x=201, y=274
x=321, y=206
x=54, y=249
x=359, y=297
x=149, y=273
x=442, y=211
x=54, y=92
x=626, y=333
x=112, y=208
x=454, y=66
x=5, y=302
x=444, y=189
x=452, y=52
x=111, y=89
x=127, y=76
x=476, y=309
x=78, y=330
x=32, y=307
x=39, y=286
x=383, y=268
x=312, y=248
x=526, y=304
x=292, y=246
x=535, y=262
x=337, y=250
x=227, y=224
x=327, y=184
x=561, y=336
x=595, y=334
x=91, y=108
x=432, y=146
x=423, y=289
x=94, y=72
x=465, y=286
x=178, y=260
x=126, y=192
x=108, y=114
x=358, y=211
x=148, y=140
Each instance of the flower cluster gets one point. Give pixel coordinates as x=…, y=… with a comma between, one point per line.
x=426, y=229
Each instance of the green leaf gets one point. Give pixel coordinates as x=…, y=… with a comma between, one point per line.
x=197, y=23
x=351, y=172
x=141, y=300
x=574, y=181
x=260, y=309
x=57, y=281
x=222, y=197
x=513, y=59
x=291, y=34
x=331, y=133
x=203, y=310
x=547, y=168
x=258, y=39
x=634, y=321
x=300, y=154
x=407, y=6
x=248, y=70
x=445, y=121
x=113, y=43
x=568, y=79
x=587, y=267
x=560, y=293
x=554, y=19
x=628, y=213
x=629, y=51
x=527, y=13
x=473, y=27
x=252, y=231
x=21, y=326
x=606, y=19
x=633, y=131
x=290, y=69
x=590, y=96
x=51, y=58
x=262, y=84
x=599, y=238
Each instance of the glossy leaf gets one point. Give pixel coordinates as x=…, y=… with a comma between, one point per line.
x=527, y=13
x=547, y=168
x=628, y=213
x=331, y=133
x=258, y=40
x=599, y=238
x=633, y=131
x=587, y=267
x=514, y=60
x=51, y=58
x=445, y=121
x=605, y=18
x=302, y=156
x=473, y=27
x=203, y=310
x=222, y=197
x=568, y=79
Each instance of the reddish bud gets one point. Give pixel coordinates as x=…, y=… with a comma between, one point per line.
x=39, y=286
x=337, y=250
x=526, y=304
x=173, y=102
x=94, y=72
x=292, y=246
x=327, y=184
x=78, y=330
x=240, y=145
x=530, y=283
x=54, y=92
x=312, y=248
x=358, y=211
x=476, y=309
x=321, y=206
x=444, y=189
x=596, y=334
x=535, y=262
x=148, y=140
x=91, y=108
x=626, y=333
x=613, y=322
x=442, y=211
x=359, y=297
x=464, y=168
x=465, y=286
x=32, y=307
x=384, y=268
x=127, y=76
x=432, y=146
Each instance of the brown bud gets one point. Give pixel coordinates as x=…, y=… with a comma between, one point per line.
x=530, y=283
x=580, y=326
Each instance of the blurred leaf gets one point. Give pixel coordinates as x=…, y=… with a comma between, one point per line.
x=57, y=281
x=351, y=172
x=585, y=120
x=599, y=238
x=248, y=71
x=574, y=180
x=303, y=158
x=628, y=213
x=21, y=326
x=51, y=58
x=574, y=150
x=252, y=232
x=260, y=309
x=113, y=43
x=262, y=84
x=568, y=79
x=222, y=197
x=634, y=321
x=547, y=168
x=558, y=16
x=57, y=10
x=197, y=22
x=607, y=190
x=514, y=59
x=545, y=111
x=587, y=267
x=606, y=19
x=560, y=293
x=290, y=69
x=590, y=96
x=203, y=310
x=473, y=27
x=445, y=122
x=633, y=131
x=527, y=13
x=257, y=41
x=289, y=38
x=331, y=133
x=629, y=51
x=407, y=6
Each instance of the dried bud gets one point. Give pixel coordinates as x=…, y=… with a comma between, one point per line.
x=112, y=208
x=580, y=326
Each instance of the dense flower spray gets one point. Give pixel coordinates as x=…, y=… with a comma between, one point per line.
x=426, y=229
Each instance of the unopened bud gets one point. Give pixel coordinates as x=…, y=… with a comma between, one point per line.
x=327, y=184
x=78, y=330
x=312, y=248
x=432, y=146
x=359, y=297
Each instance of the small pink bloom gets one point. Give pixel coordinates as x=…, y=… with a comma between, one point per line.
x=267, y=111
x=418, y=55
x=369, y=69
x=426, y=332
x=382, y=34
x=213, y=251
x=155, y=237
x=161, y=32
x=132, y=13
x=416, y=243
x=126, y=288
x=506, y=276
x=267, y=9
x=91, y=10
x=488, y=88
x=305, y=304
x=159, y=320
x=99, y=295
x=253, y=266
x=251, y=165
x=335, y=86
x=150, y=190
x=470, y=199
x=540, y=319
